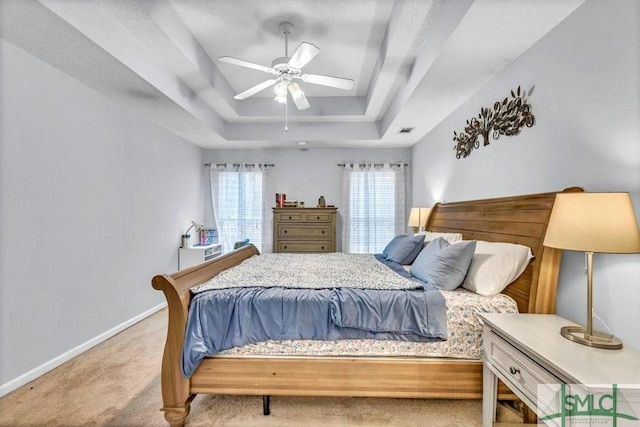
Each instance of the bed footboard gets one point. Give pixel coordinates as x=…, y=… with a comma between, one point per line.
x=176, y=389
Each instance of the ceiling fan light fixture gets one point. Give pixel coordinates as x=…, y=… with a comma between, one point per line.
x=280, y=89
x=296, y=92
x=281, y=99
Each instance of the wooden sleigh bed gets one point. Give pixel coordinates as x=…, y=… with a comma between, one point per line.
x=519, y=219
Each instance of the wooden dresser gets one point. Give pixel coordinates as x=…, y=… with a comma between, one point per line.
x=304, y=230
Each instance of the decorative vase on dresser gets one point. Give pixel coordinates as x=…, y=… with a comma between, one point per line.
x=304, y=230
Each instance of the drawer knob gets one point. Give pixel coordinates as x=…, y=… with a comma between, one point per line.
x=514, y=370
x=285, y=231
x=285, y=246
x=323, y=248
x=322, y=231
x=289, y=217
x=318, y=218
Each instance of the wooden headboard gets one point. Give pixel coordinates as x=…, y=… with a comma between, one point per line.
x=516, y=219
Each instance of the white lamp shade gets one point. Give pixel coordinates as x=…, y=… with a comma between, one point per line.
x=280, y=89
x=418, y=217
x=296, y=92
x=593, y=222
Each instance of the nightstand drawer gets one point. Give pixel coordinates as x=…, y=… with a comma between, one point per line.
x=517, y=370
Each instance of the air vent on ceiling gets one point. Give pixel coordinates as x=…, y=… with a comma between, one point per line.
x=406, y=130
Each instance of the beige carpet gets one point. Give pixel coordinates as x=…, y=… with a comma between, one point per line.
x=117, y=383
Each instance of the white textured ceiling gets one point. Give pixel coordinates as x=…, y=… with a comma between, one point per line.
x=413, y=61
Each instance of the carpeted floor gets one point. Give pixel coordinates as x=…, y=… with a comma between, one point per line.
x=117, y=383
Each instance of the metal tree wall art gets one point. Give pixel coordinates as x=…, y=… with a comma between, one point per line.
x=506, y=118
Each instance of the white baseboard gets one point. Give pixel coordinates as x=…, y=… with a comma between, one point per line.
x=23, y=379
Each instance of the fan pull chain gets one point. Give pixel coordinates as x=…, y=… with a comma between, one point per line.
x=286, y=114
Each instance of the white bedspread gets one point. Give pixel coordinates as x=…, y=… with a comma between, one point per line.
x=312, y=271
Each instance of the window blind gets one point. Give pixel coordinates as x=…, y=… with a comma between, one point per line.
x=375, y=208
x=240, y=207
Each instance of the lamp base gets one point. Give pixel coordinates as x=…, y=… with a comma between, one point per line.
x=596, y=339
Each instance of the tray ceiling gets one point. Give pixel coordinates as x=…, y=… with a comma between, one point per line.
x=413, y=61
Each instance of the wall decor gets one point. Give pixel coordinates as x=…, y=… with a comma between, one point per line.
x=506, y=118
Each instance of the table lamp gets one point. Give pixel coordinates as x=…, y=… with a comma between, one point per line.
x=186, y=235
x=592, y=222
x=418, y=218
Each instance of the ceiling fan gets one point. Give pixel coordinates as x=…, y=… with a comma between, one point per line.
x=287, y=69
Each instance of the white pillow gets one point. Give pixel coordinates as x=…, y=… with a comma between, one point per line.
x=495, y=265
x=449, y=237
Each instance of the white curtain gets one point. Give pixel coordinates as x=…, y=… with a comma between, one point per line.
x=373, y=206
x=240, y=205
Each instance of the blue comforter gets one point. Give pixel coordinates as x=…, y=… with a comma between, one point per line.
x=220, y=319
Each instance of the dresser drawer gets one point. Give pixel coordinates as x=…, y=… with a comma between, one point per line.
x=518, y=370
x=297, y=246
x=303, y=231
x=318, y=217
x=290, y=217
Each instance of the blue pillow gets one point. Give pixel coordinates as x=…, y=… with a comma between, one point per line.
x=442, y=264
x=403, y=248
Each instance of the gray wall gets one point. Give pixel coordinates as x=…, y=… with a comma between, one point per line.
x=93, y=200
x=587, y=133
x=307, y=175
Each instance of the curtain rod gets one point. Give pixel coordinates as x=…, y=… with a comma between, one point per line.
x=235, y=165
x=374, y=164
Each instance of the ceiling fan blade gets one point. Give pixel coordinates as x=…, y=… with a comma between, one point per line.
x=247, y=64
x=298, y=97
x=337, y=82
x=305, y=53
x=257, y=88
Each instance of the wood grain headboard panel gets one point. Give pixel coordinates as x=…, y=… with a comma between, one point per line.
x=516, y=219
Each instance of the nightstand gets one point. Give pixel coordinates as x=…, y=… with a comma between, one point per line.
x=526, y=351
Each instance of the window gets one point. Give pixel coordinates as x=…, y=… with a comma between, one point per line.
x=239, y=202
x=374, y=201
